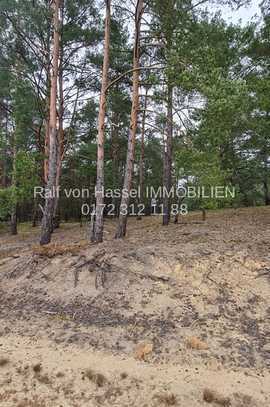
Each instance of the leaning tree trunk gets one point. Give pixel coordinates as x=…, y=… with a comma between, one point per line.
x=97, y=226
x=46, y=228
x=122, y=222
x=167, y=165
x=141, y=166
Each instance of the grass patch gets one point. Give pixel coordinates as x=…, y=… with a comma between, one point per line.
x=98, y=378
x=167, y=399
x=53, y=249
x=44, y=379
x=211, y=396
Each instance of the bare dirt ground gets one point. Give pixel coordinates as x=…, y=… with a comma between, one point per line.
x=176, y=316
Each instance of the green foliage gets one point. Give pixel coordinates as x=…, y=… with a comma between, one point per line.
x=5, y=202
x=26, y=176
x=202, y=171
x=26, y=180
x=219, y=73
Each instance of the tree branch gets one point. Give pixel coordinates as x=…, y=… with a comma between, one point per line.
x=116, y=80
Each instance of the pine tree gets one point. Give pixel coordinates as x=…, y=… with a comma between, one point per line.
x=122, y=222
x=97, y=232
x=51, y=184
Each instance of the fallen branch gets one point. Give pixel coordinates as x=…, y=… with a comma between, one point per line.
x=209, y=278
x=153, y=277
x=96, y=261
x=50, y=312
x=164, y=279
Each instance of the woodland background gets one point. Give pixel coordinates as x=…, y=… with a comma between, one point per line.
x=184, y=95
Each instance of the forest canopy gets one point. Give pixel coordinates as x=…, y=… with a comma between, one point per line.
x=126, y=95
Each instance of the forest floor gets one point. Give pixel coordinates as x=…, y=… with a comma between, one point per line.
x=171, y=316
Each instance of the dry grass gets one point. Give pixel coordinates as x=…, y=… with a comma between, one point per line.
x=22, y=370
x=44, y=379
x=166, y=399
x=142, y=350
x=53, y=249
x=112, y=393
x=6, y=395
x=36, y=402
x=196, y=343
x=98, y=378
x=211, y=396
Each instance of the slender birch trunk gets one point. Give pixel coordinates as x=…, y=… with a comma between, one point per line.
x=122, y=222
x=97, y=227
x=167, y=165
x=46, y=228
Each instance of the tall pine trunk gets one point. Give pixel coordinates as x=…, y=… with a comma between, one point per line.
x=97, y=228
x=266, y=192
x=167, y=165
x=3, y=162
x=13, y=214
x=47, y=111
x=122, y=222
x=35, y=214
x=46, y=227
x=115, y=158
x=60, y=134
x=142, y=156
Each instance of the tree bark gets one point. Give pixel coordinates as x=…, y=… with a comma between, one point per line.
x=47, y=112
x=122, y=222
x=3, y=163
x=34, y=214
x=142, y=156
x=13, y=221
x=115, y=159
x=46, y=149
x=167, y=165
x=13, y=215
x=97, y=229
x=46, y=228
x=60, y=134
x=266, y=192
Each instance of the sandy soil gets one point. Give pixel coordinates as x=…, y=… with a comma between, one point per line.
x=169, y=316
